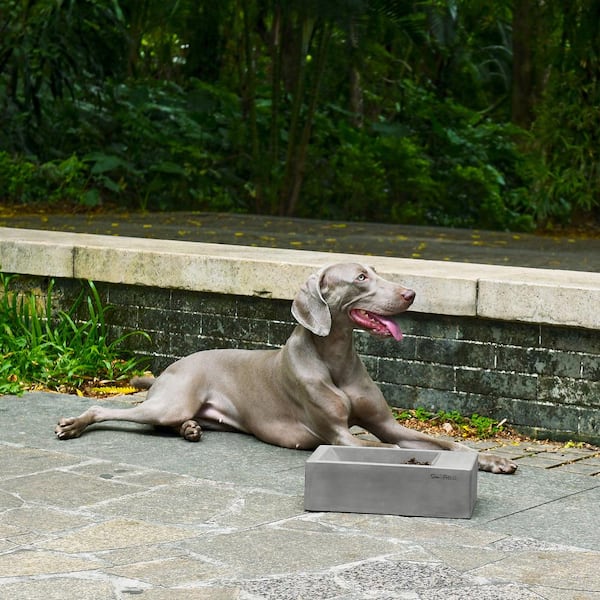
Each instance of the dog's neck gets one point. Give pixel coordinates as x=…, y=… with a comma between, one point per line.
x=336, y=350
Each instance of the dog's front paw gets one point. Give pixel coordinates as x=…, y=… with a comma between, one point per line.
x=67, y=429
x=496, y=464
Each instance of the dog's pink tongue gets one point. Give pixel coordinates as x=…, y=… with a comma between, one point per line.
x=391, y=326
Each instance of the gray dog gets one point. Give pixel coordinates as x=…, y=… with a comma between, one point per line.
x=307, y=393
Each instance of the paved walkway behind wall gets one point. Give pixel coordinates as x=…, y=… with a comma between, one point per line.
x=121, y=514
x=429, y=243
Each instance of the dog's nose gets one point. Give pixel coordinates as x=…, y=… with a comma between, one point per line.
x=408, y=295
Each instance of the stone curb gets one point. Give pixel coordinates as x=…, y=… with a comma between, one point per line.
x=509, y=293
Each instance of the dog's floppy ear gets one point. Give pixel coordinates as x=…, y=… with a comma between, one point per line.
x=310, y=309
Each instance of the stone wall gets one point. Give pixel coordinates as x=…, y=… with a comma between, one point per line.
x=544, y=379
x=507, y=342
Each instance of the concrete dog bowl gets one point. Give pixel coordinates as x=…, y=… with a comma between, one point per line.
x=392, y=481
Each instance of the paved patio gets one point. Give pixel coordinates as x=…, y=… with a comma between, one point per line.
x=116, y=514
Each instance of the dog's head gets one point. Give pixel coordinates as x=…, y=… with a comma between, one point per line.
x=351, y=294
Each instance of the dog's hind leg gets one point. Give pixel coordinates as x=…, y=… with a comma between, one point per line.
x=154, y=411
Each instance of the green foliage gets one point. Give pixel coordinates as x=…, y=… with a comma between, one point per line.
x=25, y=181
x=476, y=425
x=430, y=161
x=570, y=167
x=49, y=52
x=162, y=158
x=39, y=345
x=476, y=161
x=167, y=150
x=376, y=110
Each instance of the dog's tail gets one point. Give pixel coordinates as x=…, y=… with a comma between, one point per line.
x=142, y=383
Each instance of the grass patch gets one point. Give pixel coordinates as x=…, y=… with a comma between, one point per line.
x=58, y=350
x=474, y=426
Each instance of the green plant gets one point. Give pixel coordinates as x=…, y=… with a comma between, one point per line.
x=422, y=414
x=58, y=349
x=484, y=426
x=476, y=425
x=25, y=181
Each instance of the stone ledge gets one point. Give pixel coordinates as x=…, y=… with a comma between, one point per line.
x=509, y=293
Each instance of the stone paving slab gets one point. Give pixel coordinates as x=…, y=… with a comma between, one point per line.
x=121, y=514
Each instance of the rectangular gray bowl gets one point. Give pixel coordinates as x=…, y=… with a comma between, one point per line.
x=391, y=481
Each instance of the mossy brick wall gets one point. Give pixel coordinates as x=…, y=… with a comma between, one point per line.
x=543, y=379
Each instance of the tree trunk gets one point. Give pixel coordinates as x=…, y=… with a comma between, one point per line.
x=276, y=64
x=356, y=93
x=523, y=72
x=294, y=127
x=249, y=104
x=298, y=166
